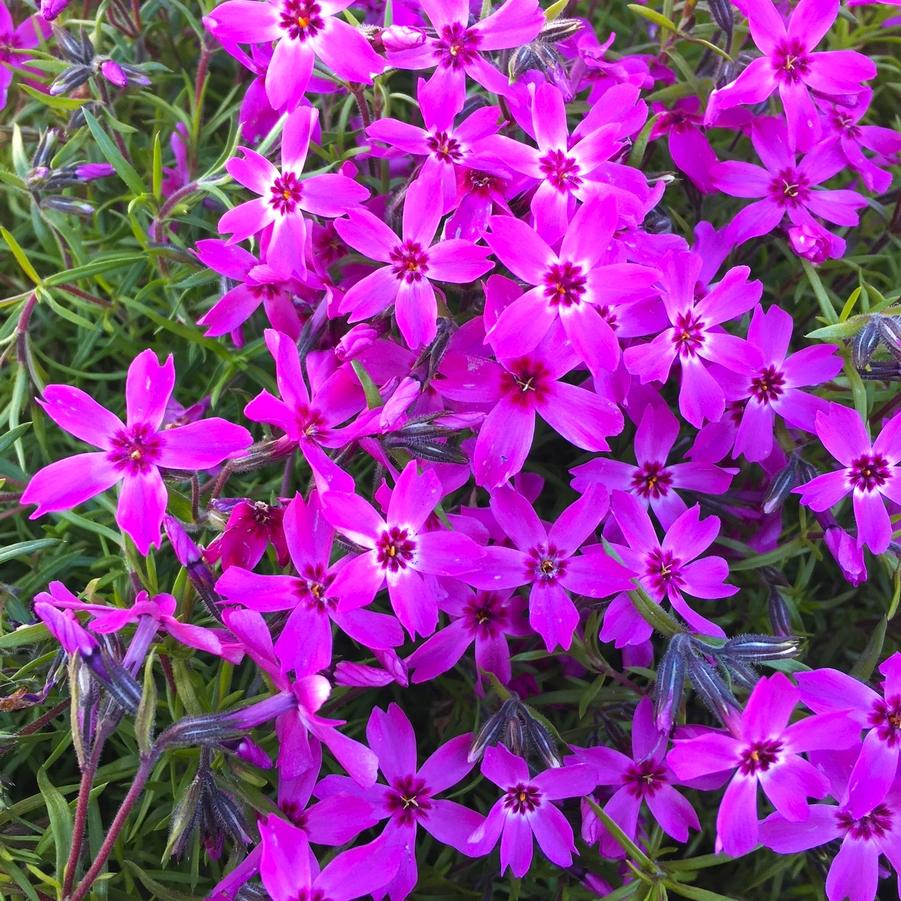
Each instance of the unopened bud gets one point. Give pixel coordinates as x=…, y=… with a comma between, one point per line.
x=755, y=648
x=91, y=171
x=779, y=613
x=795, y=472
x=890, y=329
x=401, y=37
x=516, y=727
x=68, y=205
x=75, y=48
x=865, y=342
x=355, y=341
x=113, y=73
x=713, y=692
x=50, y=9
x=670, y=684
x=73, y=77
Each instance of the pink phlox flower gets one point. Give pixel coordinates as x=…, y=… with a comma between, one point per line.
x=299, y=726
x=879, y=714
x=285, y=194
x=548, y=561
x=870, y=473
x=310, y=417
x=305, y=642
x=399, y=550
x=455, y=47
x=643, y=778
x=25, y=35
x=256, y=287
x=131, y=453
x=303, y=30
x=290, y=872
x=790, y=66
x=486, y=618
x=764, y=750
x=651, y=478
x=576, y=286
x=564, y=173
x=526, y=810
x=667, y=569
x=412, y=262
x=785, y=186
x=444, y=145
x=391, y=668
x=407, y=798
x=252, y=526
x=695, y=338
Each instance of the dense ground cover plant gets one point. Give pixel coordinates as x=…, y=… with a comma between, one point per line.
x=450, y=450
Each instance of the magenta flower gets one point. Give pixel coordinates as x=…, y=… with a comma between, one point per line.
x=642, y=778
x=484, y=617
x=518, y=390
x=13, y=37
x=305, y=642
x=828, y=690
x=157, y=610
x=763, y=749
x=854, y=872
x=694, y=337
x=569, y=286
x=774, y=389
x=651, y=479
x=288, y=872
x=668, y=568
x=252, y=526
x=310, y=418
x=408, y=799
x=549, y=563
x=132, y=453
x=525, y=810
x=785, y=186
x=456, y=48
x=256, y=287
x=412, y=262
x=790, y=66
x=285, y=194
x=303, y=30
x=444, y=145
x=400, y=550
x=871, y=472
x=564, y=173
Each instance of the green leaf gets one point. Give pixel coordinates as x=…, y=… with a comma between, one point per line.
x=123, y=168
x=95, y=267
x=13, y=435
x=868, y=659
x=157, y=169
x=146, y=714
x=19, y=254
x=66, y=104
x=21, y=548
x=23, y=635
x=370, y=389
x=623, y=840
x=652, y=16
x=555, y=10
x=698, y=894
x=60, y=820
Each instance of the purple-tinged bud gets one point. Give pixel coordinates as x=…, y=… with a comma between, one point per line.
x=249, y=750
x=73, y=77
x=113, y=73
x=204, y=730
x=50, y=9
x=143, y=637
x=91, y=171
x=261, y=712
x=190, y=557
x=740, y=673
x=847, y=554
x=865, y=342
x=68, y=205
x=401, y=37
x=795, y=472
x=882, y=371
x=756, y=648
x=401, y=398
x=890, y=329
x=358, y=339
x=815, y=244
x=713, y=692
x=76, y=48
x=517, y=727
x=670, y=684
x=66, y=629
x=779, y=613
x=120, y=684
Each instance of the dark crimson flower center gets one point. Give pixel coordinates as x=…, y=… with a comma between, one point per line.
x=409, y=799
x=790, y=60
x=645, y=778
x=560, y=170
x=885, y=717
x=312, y=588
x=486, y=614
x=564, y=284
x=688, y=334
x=525, y=383
x=768, y=385
x=790, y=188
x=285, y=193
x=545, y=564
x=608, y=314
x=869, y=472
x=135, y=449
x=759, y=756
x=652, y=480
x=409, y=261
x=394, y=549
x=844, y=122
x=268, y=291
x=481, y=182
x=522, y=798
x=301, y=19
x=309, y=421
x=663, y=570
x=445, y=147
x=311, y=894
x=295, y=813
x=457, y=46
x=874, y=825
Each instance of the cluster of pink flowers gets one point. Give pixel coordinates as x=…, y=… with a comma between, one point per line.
x=510, y=293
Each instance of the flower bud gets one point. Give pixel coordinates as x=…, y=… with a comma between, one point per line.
x=91, y=171
x=358, y=339
x=713, y=692
x=670, y=684
x=794, y=473
x=515, y=726
x=865, y=342
x=890, y=331
x=50, y=9
x=740, y=672
x=190, y=557
x=780, y=615
x=75, y=48
x=113, y=73
x=401, y=37
x=119, y=683
x=847, y=554
x=814, y=243
x=756, y=648
x=67, y=205
x=882, y=371
x=721, y=13
x=69, y=79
